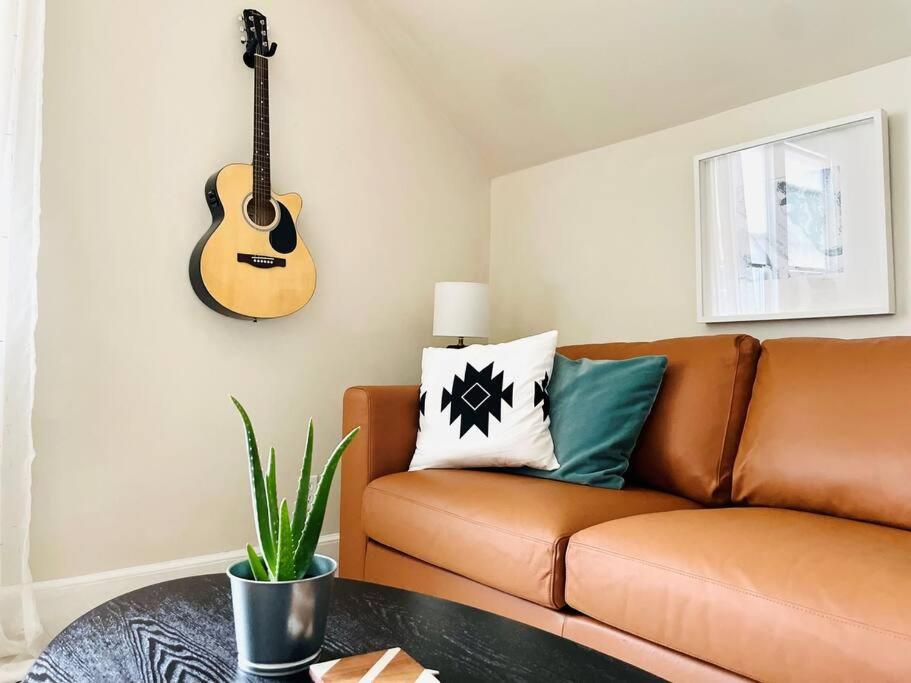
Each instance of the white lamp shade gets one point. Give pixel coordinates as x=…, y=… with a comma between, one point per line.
x=461, y=309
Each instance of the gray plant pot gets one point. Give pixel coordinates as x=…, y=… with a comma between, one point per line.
x=280, y=626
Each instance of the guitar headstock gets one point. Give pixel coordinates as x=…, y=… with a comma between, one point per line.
x=256, y=36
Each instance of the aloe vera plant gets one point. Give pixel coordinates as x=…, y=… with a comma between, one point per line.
x=287, y=540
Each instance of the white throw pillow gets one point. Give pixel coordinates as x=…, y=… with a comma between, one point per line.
x=482, y=406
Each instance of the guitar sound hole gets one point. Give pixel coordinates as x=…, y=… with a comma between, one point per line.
x=261, y=213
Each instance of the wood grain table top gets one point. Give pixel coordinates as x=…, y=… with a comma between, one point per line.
x=183, y=631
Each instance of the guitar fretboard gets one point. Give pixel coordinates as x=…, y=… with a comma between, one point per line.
x=262, y=184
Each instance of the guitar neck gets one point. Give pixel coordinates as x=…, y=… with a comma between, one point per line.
x=262, y=183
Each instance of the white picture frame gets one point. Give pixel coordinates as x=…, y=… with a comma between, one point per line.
x=796, y=225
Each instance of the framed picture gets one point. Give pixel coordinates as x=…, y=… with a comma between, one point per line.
x=796, y=225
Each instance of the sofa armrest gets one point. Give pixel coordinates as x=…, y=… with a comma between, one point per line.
x=388, y=418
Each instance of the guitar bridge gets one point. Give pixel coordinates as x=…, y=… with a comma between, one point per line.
x=258, y=261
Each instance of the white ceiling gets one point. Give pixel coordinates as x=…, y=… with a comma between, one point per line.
x=532, y=80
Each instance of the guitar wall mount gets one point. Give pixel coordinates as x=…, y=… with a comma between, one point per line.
x=251, y=51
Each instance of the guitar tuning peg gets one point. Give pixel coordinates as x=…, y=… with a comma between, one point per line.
x=243, y=40
x=240, y=18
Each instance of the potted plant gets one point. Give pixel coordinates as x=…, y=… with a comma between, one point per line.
x=281, y=593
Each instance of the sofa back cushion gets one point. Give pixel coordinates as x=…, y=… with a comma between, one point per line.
x=689, y=441
x=829, y=429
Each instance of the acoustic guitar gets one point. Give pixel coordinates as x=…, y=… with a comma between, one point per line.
x=252, y=263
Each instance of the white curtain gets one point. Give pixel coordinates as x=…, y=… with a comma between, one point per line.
x=21, y=60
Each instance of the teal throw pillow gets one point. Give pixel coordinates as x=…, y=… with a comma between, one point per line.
x=597, y=410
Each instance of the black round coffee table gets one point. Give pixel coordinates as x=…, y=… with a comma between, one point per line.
x=183, y=630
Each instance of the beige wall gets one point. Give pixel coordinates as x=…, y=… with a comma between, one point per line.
x=140, y=455
x=600, y=245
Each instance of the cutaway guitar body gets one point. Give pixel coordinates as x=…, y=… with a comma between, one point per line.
x=248, y=271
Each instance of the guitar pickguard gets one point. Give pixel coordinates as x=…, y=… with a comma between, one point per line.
x=283, y=237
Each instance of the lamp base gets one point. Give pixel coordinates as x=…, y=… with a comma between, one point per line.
x=459, y=345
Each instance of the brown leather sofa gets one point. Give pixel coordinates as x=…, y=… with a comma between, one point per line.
x=763, y=534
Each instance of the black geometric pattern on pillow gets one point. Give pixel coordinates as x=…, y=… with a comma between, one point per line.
x=541, y=396
x=422, y=401
x=476, y=399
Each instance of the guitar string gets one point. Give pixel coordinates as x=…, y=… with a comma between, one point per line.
x=253, y=201
x=256, y=134
x=257, y=95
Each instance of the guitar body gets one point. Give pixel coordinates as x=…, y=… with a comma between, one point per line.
x=242, y=269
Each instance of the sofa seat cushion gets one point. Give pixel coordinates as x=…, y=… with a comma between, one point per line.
x=506, y=531
x=767, y=593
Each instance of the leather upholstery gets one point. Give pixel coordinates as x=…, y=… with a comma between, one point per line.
x=770, y=594
x=392, y=568
x=829, y=429
x=388, y=418
x=661, y=661
x=503, y=530
x=689, y=442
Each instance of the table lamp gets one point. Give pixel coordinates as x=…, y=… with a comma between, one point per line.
x=460, y=309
